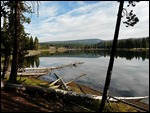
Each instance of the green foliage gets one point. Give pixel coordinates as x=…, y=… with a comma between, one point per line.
x=6, y=40
x=131, y=18
x=122, y=44
x=36, y=43
x=13, y=39
x=144, y=43
x=69, y=46
x=127, y=43
x=31, y=43
x=32, y=81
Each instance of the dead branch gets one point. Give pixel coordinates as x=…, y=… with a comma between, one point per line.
x=52, y=84
x=63, y=83
x=76, y=78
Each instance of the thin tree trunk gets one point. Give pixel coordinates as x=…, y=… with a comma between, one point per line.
x=14, y=68
x=110, y=67
x=6, y=63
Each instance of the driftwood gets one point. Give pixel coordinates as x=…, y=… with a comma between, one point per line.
x=131, y=104
x=63, y=83
x=30, y=74
x=46, y=69
x=53, y=83
x=37, y=72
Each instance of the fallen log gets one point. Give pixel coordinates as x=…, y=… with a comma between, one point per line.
x=126, y=98
x=25, y=74
x=63, y=92
x=51, y=68
x=37, y=72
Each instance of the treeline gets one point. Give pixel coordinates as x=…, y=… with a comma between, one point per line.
x=122, y=44
x=126, y=43
x=69, y=46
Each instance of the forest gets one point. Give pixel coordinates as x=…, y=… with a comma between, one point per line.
x=14, y=40
x=129, y=43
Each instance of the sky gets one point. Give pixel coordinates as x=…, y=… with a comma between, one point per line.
x=73, y=20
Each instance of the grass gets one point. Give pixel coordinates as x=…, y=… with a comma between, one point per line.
x=118, y=107
x=31, y=81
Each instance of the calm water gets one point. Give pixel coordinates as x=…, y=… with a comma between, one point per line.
x=130, y=76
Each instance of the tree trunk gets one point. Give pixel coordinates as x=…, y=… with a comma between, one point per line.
x=110, y=67
x=6, y=63
x=14, y=66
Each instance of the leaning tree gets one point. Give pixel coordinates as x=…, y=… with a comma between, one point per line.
x=131, y=20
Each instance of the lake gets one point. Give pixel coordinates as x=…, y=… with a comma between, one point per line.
x=130, y=75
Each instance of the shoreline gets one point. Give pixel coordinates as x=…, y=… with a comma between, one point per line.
x=72, y=86
x=62, y=49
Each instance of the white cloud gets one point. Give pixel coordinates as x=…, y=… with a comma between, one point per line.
x=86, y=21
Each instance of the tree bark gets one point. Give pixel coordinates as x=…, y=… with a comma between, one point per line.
x=14, y=66
x=111, y=61
x=6, y=63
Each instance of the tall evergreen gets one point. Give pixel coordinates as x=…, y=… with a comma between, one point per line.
x=6, y=47
x=15, y=32
x=14, y=66
x=144, y=43
x=36, y=43
x=31, y=43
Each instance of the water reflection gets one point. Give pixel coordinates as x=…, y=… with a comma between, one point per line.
x=32, y=61
x=129, y=55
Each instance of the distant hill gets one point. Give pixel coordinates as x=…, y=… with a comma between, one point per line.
x=83, y=41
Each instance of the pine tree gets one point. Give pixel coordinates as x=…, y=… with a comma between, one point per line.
x=36, y=43
x=31, y=43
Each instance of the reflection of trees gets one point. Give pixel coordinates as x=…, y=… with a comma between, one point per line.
x=37, y=61
x=129, y=55
x=143, y=55
x=32, y=61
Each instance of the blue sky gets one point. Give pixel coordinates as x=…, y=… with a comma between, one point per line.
x=72, y=20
